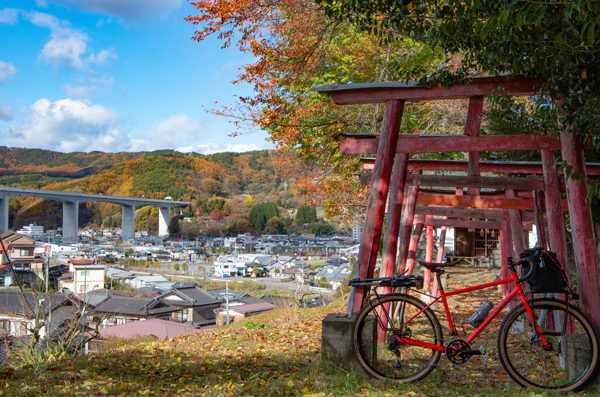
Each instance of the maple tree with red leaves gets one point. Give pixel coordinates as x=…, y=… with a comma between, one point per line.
x=296, y=47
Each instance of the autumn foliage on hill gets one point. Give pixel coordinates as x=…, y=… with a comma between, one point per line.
x=189, y=177
x=297, y=47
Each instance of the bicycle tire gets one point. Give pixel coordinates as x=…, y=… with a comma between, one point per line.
x=377, y=350
x=569, y=364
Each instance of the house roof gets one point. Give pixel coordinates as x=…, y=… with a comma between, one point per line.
x=13, y=239
x=191, y=296
x=334, y=273
x=133, y=306
x=94, y=300
x=162, y=329
x=150, y=279
x=15, y=303
x=81, y=262
x=233, y=295
x=278, y=301
x=252, y=308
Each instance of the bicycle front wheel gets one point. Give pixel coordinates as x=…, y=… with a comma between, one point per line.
x=382, y=330
x=570, y=361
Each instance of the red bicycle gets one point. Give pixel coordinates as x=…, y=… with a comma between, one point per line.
x=544, y=342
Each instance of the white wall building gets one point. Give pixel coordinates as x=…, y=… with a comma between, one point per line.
x=229, y=265
x=146, y=281
x=32, y=230
x=357, y=230
x=83, y=277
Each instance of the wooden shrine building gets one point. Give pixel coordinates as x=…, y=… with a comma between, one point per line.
x=507, y=203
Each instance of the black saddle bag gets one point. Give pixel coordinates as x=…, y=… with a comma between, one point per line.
x=547, y=276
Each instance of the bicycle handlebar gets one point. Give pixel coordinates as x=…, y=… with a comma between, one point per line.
x=523, y=261
x=394, y=282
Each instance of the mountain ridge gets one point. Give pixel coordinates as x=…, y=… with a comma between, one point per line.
x=158, y=174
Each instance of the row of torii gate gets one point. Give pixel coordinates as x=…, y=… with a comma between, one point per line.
x=517, y=203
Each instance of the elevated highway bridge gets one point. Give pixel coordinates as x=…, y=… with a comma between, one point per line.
x=71, y=201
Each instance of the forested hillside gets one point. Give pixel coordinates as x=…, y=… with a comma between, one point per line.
x=223, y=188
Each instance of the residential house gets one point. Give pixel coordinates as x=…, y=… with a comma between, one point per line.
x=267, y=247
x=294, y=273
x=196, y=305
x=335, y=275
x=116, y=310
x=118, y=275
x=32, y=230
x=83, y=276
x=337, y=260
x=19, y=310
x=234, y=297
x=146, y=281
x=277, y=269
x=19, y=248
x=229, y=266
x=25, y=276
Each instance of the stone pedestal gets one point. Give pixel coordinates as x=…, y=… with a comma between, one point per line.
x=575, y=357
x=336, y=341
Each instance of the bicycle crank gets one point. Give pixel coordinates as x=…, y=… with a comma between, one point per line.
x=459, y=351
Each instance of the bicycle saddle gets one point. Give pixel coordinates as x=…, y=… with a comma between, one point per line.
x=433, y=266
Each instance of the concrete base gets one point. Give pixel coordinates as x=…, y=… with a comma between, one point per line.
x=336, y=341
x=575, y=358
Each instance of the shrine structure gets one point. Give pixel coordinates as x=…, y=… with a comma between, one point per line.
x=515, y=203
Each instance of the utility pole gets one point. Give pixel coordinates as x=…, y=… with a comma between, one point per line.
x=226, y=301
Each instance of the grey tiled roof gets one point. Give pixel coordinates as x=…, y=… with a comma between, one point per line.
x=139, y=307
x=192, y=296
x=13, y=302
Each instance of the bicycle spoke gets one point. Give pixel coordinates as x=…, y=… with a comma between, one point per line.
x=378, y=333
x=565, y=364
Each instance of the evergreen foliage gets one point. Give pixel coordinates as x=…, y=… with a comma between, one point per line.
x=260, y=214
x=306, y=214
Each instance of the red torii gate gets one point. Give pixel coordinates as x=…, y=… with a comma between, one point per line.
x=390, y=176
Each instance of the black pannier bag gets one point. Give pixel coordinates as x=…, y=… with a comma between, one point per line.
x=548, y=275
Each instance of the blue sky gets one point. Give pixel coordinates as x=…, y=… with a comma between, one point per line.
x=115, y=75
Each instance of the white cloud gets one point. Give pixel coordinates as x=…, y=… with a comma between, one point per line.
x=84, y=88
x=169, y=133
x=5, y=113
x=79, y=125
x=212, y=147
x=181, y=132
x=128, y=10
x=7, y=70
x=67, y=46
x=69, y=125
x=102, y=56
x=9, y=16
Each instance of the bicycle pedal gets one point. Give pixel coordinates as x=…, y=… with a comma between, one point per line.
x=484, y=355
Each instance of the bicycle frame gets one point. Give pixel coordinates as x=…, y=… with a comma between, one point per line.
x=518, y=290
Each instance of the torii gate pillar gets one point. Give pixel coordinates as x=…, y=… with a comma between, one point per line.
x=582, y=227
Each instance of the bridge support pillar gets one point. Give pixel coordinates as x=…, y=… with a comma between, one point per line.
x=4, y=213
x=70, y=221
x=164, y=217
x=128, y=223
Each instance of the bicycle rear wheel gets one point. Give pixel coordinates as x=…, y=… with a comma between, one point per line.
x=570, y=362
x=376, y=332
